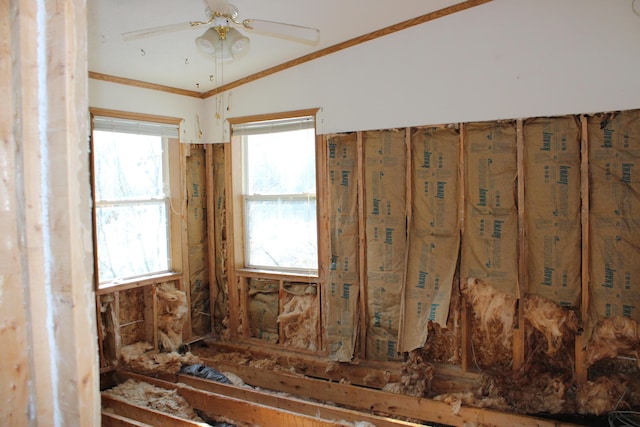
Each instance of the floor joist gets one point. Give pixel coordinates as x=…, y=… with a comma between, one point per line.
x=201, y=393
x=380, y=402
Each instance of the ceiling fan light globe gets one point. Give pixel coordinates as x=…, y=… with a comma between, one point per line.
x=207, y=42
x=237, y=43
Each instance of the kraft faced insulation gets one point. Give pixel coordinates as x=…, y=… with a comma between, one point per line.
x=385, y=160
x=614, y=161
x=197, y=236
x=433, y=237
x=263, y=306
x=490, y=237
x=341, y=308
x=552, y=205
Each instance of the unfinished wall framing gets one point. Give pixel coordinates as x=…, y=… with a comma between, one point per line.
x=502, y=203
x=152, y=311
x=513, y=239
x=368, y=215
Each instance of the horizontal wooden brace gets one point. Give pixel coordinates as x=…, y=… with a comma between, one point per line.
x=238, y=410
x=147, y=416
x=115, y=420
x=381, y=402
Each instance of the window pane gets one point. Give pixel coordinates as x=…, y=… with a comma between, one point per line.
x=127, y=166
x=281, y=163
x=132, y=240
x=282, y=233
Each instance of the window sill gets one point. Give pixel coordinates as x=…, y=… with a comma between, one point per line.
x=278, y=275
x=121, y=285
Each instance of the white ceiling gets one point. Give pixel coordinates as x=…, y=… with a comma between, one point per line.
x=171, y=59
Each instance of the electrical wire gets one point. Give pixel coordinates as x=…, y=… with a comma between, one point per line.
x=624, y=419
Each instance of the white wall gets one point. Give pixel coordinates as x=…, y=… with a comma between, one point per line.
x=504, y=59
x=138, y=100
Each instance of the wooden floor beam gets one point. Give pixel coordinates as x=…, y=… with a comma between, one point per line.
x=270, y=399
x=146, y=416
x=218, y=405
x=115, y=420
x=380, y=402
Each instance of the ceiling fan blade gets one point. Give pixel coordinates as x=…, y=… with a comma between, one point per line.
x=138, y=34
x=287, y=31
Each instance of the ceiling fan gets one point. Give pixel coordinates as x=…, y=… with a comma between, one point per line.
x=222, y=18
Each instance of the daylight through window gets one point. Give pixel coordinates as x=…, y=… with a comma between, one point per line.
x=131, y=196
x=279, y=194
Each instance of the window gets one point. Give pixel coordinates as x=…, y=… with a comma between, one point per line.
x=279, y=193
x=132, y=198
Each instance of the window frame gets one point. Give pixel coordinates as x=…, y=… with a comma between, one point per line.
x=175, y=202
x=236, y=215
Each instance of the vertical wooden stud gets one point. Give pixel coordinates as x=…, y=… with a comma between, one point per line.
x=362, y=245
x=154, y=311
x=581, y=340
x=324, y=249
x=211, y=238
x=150, y=315
x=281, y=302
x=234, y=251
x=244, y=306
x=408, y=215
x=117, y=338
x=518, y=333
x=466, y=350
x=185, y=283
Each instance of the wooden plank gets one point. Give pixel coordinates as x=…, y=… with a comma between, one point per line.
x=581, y=340
x=273, y=116
x=518, y=333
x=117, y=338
x=115, y=420
x=349, y=43
x=234, y=228
x=138, y=283
x=362, y=247
x=324, y=245
x=154, y=310
x=144, y=415
x=16, y=389
x=408, y=209
x=46, y=286
x=380, y=402
x=289, y=403
x=270, y=275
x=244, y=305
x=101, y=327
x=150, y=316
x=145, y=85
x=466, y=350
x=211, y=230
x=281, y=302
x=241, y=411
x=94, y=210
x=179, y=225
x=105, y=112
